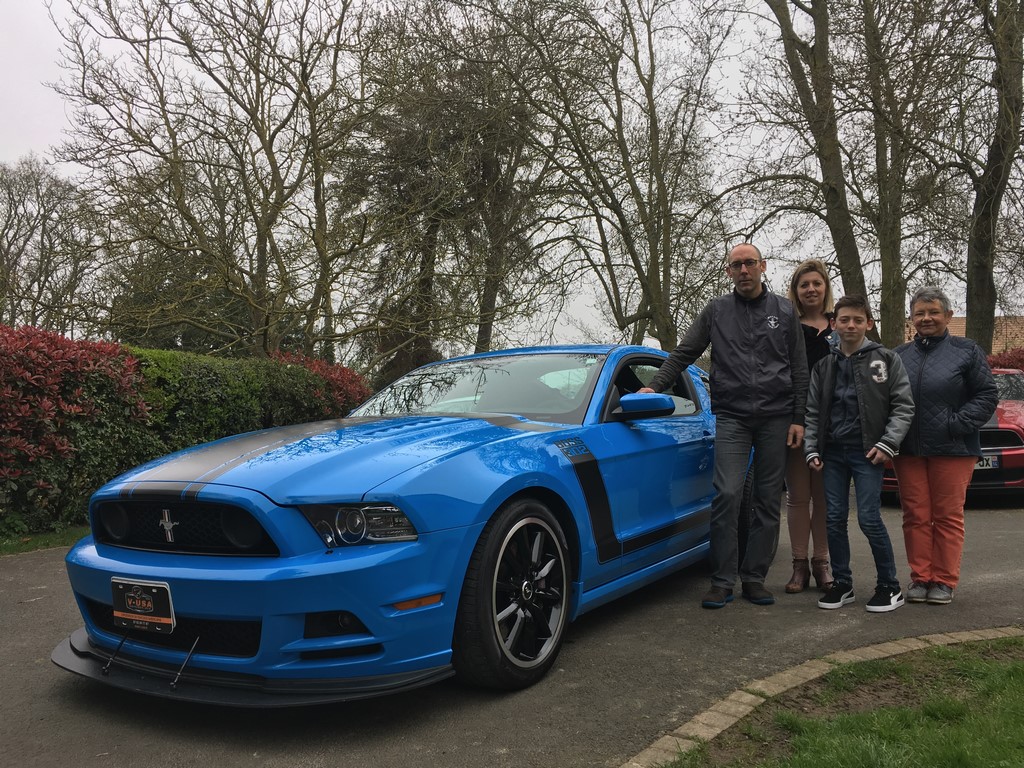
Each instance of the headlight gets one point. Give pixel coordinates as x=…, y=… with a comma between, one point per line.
x=342, y=524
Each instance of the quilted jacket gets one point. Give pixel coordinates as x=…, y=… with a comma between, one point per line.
x=954, y=395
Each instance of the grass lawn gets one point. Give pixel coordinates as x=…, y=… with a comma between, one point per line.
x=958, y=706
x=30, y=542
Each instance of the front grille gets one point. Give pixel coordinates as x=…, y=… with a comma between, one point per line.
x=1000, y=438
x=217, y=637
x=163, y=524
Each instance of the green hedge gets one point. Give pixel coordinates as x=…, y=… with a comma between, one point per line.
x=75, y=414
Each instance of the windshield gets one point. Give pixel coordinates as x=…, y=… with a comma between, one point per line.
x=542, y=387
x=1010, y=386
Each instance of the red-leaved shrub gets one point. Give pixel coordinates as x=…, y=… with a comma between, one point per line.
x=1011, y=358
x=61, y=399
x=345, y=389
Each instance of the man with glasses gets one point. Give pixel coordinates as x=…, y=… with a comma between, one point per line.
x=758, y=394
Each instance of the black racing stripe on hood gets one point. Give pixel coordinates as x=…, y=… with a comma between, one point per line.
x=206, y=463
x=176, y=488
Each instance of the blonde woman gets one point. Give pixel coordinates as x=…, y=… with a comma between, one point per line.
x=810, y=290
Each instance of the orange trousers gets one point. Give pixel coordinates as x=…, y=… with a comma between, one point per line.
x=932, y=491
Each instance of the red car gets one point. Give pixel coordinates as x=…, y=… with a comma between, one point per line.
x=1001, y=468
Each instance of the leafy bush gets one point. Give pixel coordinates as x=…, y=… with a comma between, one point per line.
x=344, y=390
x=1011, y=358
x=74, y=414
x=70, y=417
x=194, y=399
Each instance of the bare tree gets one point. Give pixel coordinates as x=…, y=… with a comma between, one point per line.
x=806, y=37
x=627, y=87
x=891, y=100
x=1003, y=25
x=456, y=192
x=209, y=130
x=47, y=233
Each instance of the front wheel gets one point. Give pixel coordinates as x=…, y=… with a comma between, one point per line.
x=513, y=610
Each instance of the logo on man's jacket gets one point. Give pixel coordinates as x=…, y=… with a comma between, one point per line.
x=773, y=321
x=879, y=371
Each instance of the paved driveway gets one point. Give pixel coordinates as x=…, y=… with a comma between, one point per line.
x=629, y=673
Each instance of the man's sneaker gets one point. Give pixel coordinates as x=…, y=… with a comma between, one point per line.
x=755, y=592
x=939, y=594
x=838, y=595
x=716, y=597
x=885, y=599
x=917, y=592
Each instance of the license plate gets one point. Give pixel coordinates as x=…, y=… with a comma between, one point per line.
x=987, y=462
x=143, y=605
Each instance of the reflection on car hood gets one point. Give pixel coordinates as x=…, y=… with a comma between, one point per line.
x=1008, y=412
x=325, y=460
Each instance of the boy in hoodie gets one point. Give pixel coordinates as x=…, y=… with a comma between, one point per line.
x=859, y=408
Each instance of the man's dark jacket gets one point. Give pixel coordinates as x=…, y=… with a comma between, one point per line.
x=954, y=394
x=758, y=357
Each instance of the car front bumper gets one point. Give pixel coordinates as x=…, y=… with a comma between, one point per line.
x=242, y=623
x=80, y=656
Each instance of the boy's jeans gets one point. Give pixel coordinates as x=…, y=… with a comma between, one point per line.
x=843, y=463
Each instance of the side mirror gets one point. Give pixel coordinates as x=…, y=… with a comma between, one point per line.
x=645, y=406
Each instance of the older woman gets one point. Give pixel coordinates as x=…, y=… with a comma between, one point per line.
x=810, y=290
x=955, y=395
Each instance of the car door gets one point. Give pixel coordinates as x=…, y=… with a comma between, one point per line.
x=657, y=471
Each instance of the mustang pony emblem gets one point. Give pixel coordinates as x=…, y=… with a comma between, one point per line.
x=167, y=524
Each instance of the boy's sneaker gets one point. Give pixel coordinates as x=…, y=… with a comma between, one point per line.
x=939, y=594
x=716, y=597
x=755, y=592
x=838, y=595
x=917, y=592
x=885, y=599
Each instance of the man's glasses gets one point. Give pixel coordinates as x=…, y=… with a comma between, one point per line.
x=736, y=266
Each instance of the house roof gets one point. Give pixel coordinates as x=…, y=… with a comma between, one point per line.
x=1008, y=332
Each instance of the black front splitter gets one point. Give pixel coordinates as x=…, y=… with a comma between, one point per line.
x=77, y=654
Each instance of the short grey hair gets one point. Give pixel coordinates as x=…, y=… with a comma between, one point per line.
x=928, y=294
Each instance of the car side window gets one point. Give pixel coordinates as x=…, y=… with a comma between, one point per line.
x=637, y=374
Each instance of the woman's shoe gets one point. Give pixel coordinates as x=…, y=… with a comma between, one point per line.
x=821, y=572
x=801, y=577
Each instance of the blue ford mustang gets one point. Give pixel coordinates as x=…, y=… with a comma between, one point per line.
x=452, y=524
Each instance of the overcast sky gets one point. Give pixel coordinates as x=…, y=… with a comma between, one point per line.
x=33, y=115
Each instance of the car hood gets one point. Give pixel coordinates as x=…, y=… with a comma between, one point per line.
x=323, y=461
x=1008, y=412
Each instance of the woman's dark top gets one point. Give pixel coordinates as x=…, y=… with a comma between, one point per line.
x=817, y=342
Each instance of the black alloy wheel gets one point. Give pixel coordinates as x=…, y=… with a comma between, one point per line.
x=513, y=611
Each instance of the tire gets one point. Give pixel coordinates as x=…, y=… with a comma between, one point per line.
x=514, y=606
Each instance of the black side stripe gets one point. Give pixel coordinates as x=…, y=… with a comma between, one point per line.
x=596, y=496
x=700, y=519
x=588, y=473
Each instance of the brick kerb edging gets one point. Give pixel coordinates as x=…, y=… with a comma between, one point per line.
x=737, y=705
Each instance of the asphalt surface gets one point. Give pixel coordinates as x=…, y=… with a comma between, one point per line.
x=628, y=674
